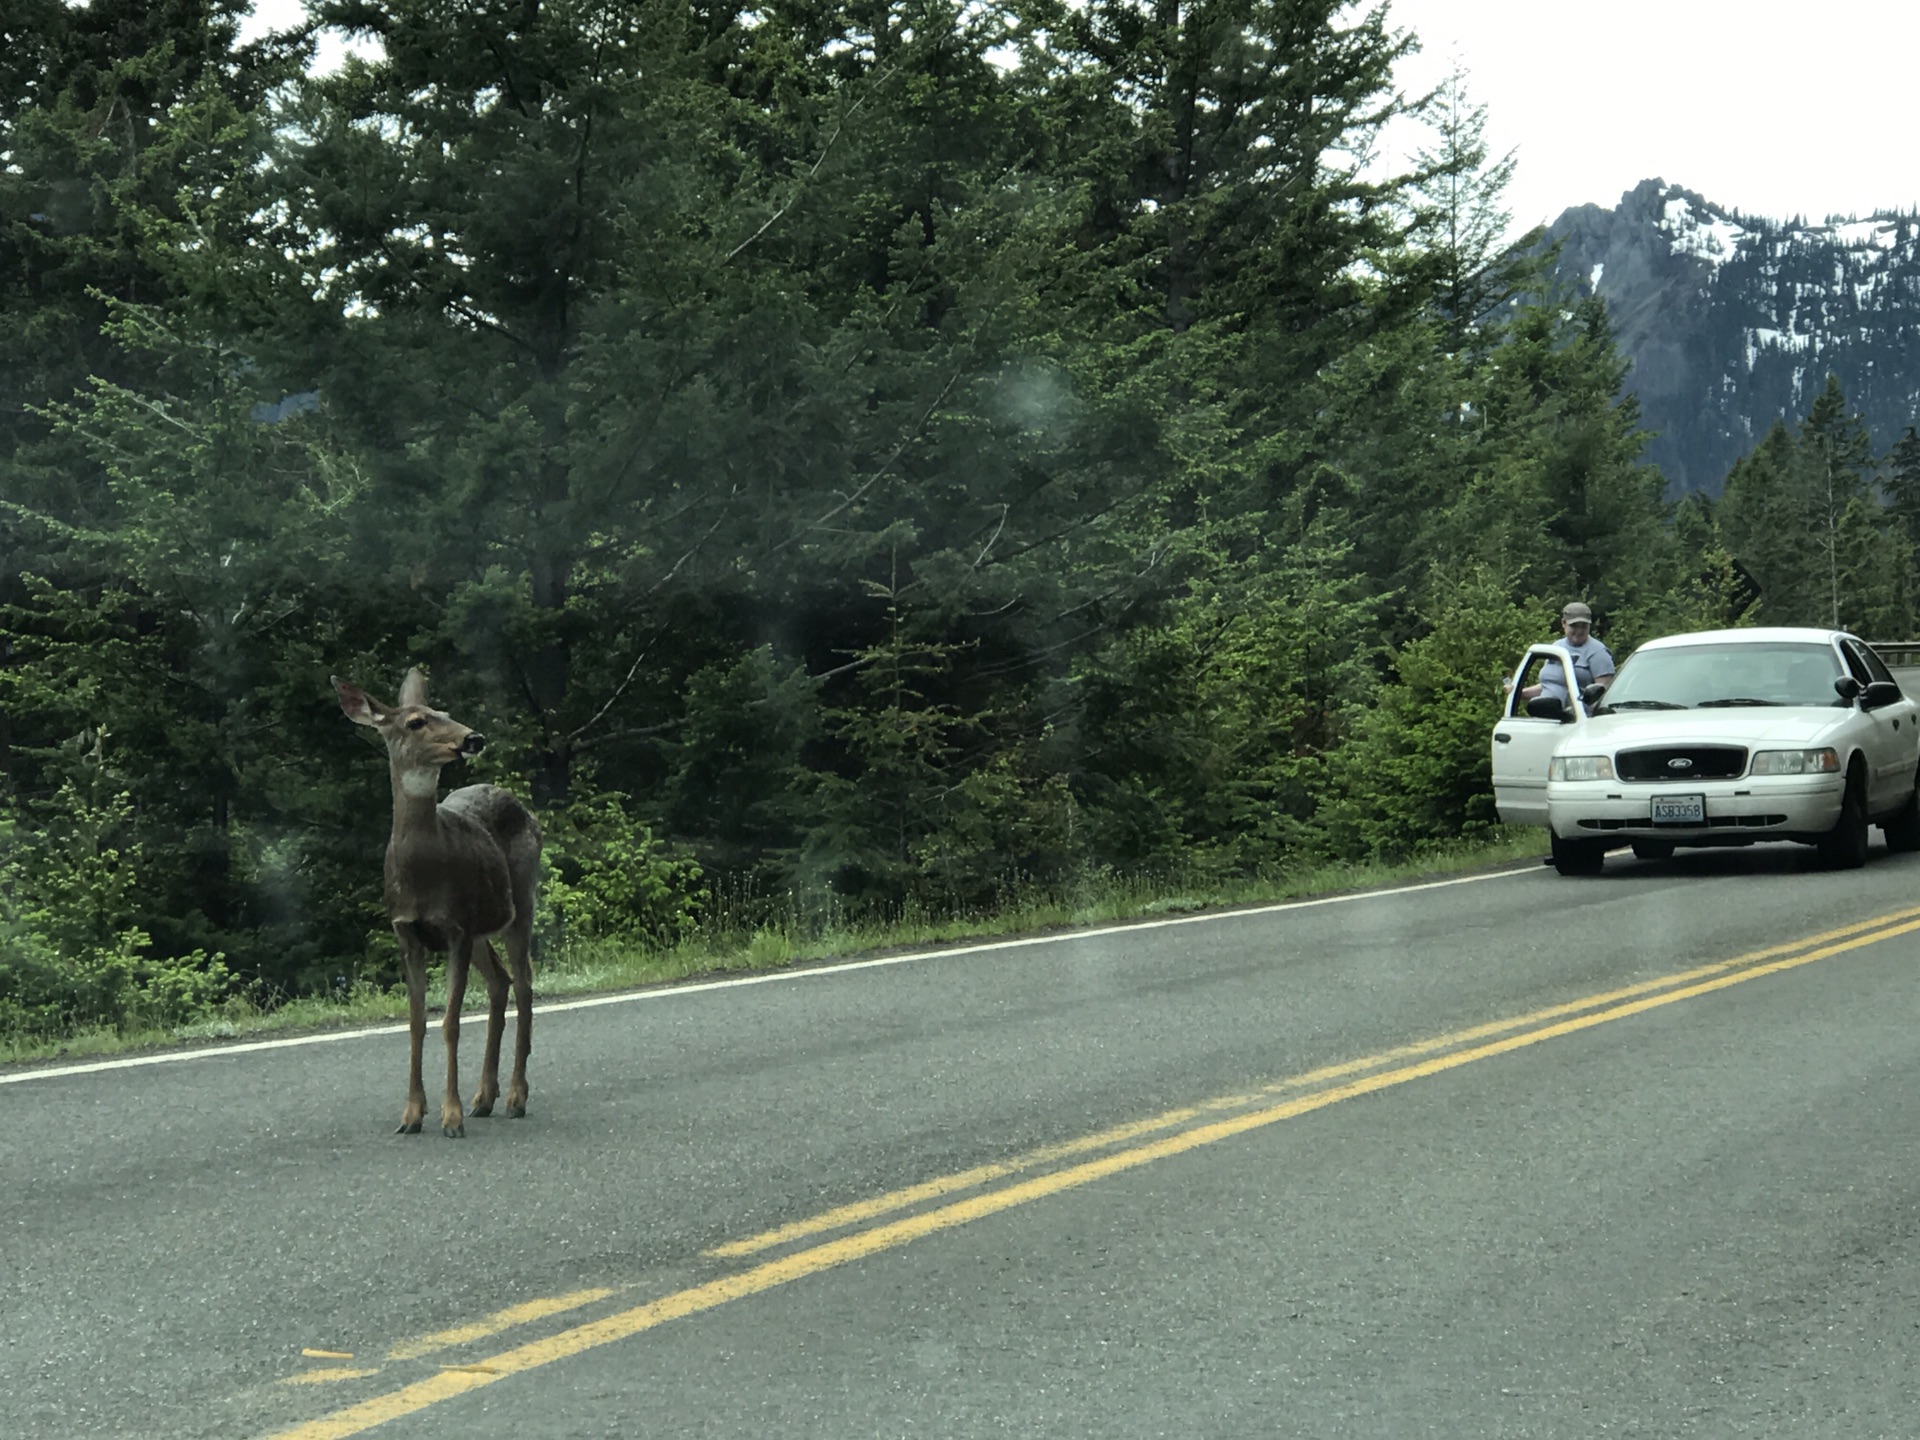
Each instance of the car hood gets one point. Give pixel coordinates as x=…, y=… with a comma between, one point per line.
x=1791, y=727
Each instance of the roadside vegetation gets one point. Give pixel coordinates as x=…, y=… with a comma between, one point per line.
x=798, y=936
x=875, y=474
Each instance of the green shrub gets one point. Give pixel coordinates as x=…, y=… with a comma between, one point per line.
x=72, y=954
x=608, y=878
x=1417, y=769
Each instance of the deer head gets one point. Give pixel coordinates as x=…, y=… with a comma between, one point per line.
x=420, y=739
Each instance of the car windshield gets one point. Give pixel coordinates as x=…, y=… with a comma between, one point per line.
x=1727, y=674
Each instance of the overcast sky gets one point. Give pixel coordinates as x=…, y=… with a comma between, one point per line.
x=1769, y=108
x=1766, y=107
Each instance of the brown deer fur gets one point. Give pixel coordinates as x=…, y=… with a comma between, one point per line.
x=459, y=871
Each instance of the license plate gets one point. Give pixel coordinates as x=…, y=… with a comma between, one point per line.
x=1679, y=809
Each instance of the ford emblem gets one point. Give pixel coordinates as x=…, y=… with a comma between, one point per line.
x=1679, y=762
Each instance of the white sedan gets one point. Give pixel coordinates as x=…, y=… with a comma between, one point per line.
x=1721, y=737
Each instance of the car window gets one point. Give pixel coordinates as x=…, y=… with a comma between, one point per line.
x=1743, y=673
x=1529, y=676
x=1856, y=663
x=1875, y=666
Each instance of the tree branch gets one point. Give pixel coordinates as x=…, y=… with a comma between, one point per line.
x=618, y=691
x=874, y=479
x=840, y=125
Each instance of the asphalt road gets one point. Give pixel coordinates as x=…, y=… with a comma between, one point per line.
x=1510, y=1156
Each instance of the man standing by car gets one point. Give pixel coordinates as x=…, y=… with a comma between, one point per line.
x=1592, y=661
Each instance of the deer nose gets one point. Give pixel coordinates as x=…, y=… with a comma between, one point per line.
x=473, y=744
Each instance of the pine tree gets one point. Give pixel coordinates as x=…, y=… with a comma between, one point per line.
x=1762, y=518
x=1799, y=514
x=628, y=306
x=110, y=113
x=1835, y=450
x=156, y=557
x=1902, y=486
x=1463, y=223
x=1555, y=494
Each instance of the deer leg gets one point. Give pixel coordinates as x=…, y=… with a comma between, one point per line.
x=416, y=962
x=519, y=941
x=452, y=1113
x=496, y=978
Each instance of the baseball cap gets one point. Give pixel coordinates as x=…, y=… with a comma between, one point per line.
x=1575, y=610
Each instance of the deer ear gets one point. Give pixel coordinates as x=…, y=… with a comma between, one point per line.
x=359, y=707
x=413, y=690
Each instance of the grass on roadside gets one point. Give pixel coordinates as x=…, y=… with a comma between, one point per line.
x=598, y=967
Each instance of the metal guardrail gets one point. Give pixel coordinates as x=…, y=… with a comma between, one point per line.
x=1897, y=652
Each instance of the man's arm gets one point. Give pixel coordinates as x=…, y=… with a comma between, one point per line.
x=1604, y=658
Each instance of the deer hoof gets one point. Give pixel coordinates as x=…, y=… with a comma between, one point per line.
x=481, y=1108
x=516, y=1112
x=454, y=1132
x=408, y=1127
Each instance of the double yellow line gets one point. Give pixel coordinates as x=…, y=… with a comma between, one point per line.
x=1056, y=1168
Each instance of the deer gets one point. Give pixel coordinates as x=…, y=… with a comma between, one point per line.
x=459, y=873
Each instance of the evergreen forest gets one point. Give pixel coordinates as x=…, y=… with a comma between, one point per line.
x=851, y=457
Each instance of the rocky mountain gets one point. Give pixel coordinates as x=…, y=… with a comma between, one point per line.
x=1732, y=321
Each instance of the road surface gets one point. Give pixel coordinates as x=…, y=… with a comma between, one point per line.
x=1509, y=1155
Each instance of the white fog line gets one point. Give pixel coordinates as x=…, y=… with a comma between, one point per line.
x=811, y=972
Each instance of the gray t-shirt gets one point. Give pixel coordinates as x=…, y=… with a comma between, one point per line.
x=1591, y=661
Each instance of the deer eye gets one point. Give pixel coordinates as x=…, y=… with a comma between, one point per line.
x=418, y=722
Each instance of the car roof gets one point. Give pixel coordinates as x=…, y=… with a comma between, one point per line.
x=1755, y=635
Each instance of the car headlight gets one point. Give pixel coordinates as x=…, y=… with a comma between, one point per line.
x=1579, y=767
x=1796, y=762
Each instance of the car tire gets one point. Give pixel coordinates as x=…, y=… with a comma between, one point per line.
x=1845, y=846
x=1902, y=828
x=1653, y=849
x=1579, y=857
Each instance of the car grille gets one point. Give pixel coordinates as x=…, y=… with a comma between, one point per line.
x=1682, y=763
x=1714, y=822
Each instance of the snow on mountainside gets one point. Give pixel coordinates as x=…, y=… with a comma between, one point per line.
x=1733, y=322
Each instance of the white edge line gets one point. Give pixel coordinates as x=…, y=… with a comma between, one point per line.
x=811, y=972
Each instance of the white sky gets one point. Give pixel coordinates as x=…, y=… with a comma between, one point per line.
x=1770, y=108
x=1763, y=106
x=284, y=15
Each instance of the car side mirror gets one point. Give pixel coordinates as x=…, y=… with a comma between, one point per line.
x=1879, y=692
x=1590, y=696
x=1547, y=707
x=1847, y=688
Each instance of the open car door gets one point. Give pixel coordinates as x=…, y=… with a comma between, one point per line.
x=1523, y=743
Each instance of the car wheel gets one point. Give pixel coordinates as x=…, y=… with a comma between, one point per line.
x=1903, y=829
x=1579, y=857
x=1653, y=849
x=1845, y=846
